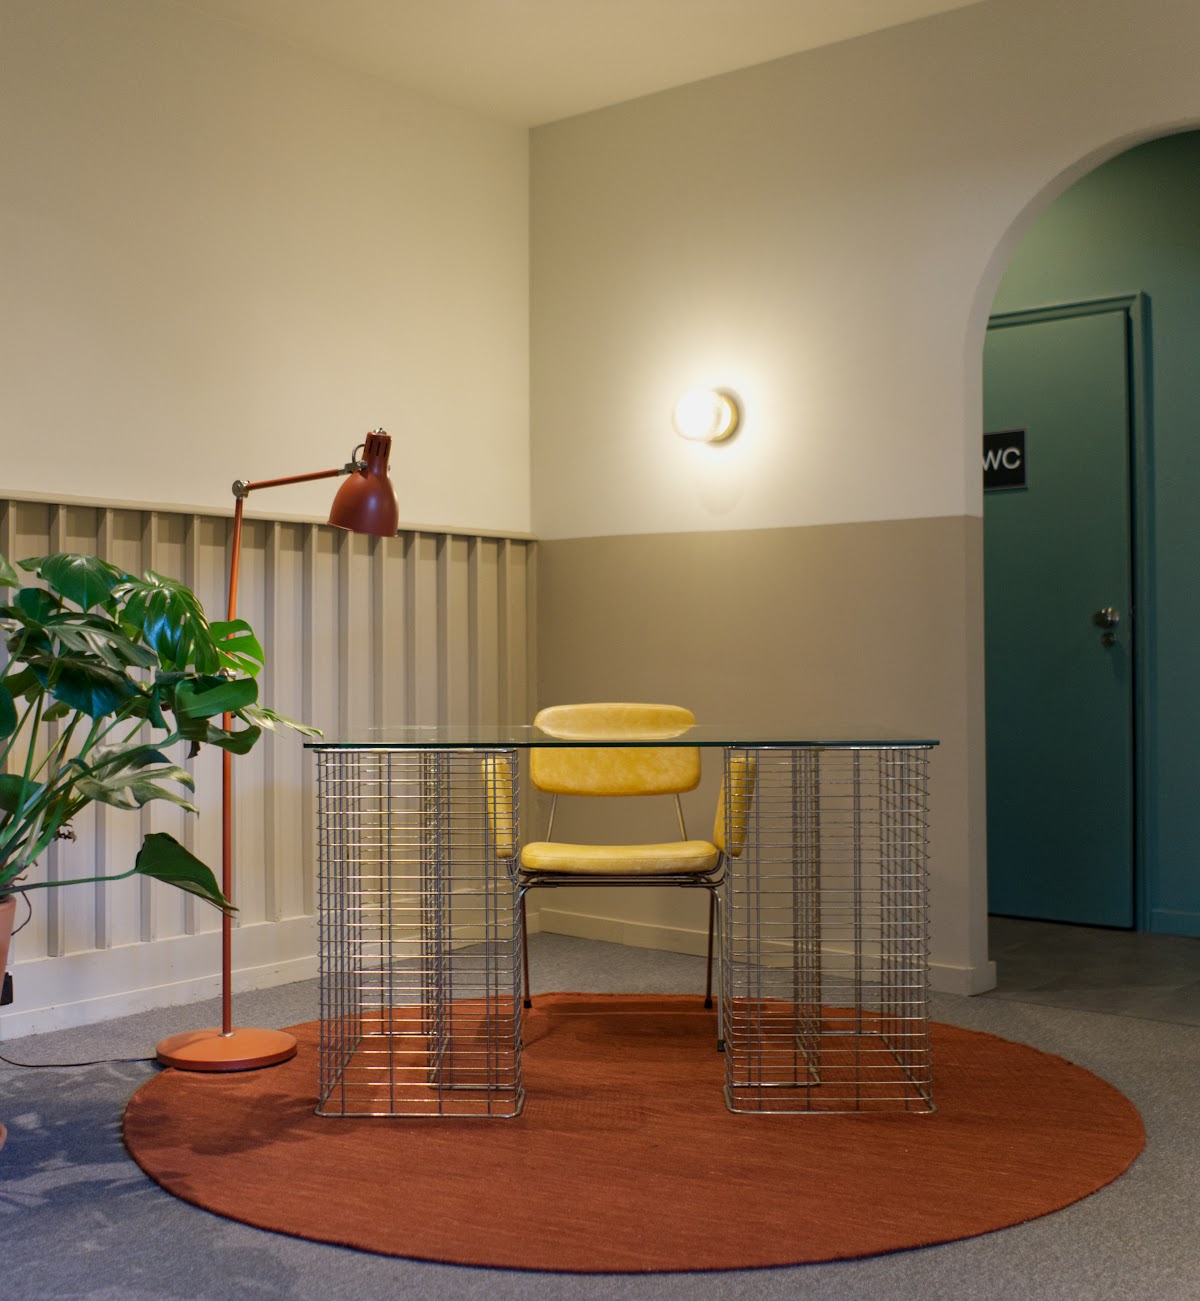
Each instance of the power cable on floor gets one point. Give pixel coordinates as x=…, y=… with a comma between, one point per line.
x=62, y=1066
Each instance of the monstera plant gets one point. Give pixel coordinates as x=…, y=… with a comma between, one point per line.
x=105, y=673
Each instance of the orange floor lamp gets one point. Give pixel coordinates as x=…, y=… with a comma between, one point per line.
x=365, y=503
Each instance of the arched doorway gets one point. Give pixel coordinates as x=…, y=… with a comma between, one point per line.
x=1122, y=239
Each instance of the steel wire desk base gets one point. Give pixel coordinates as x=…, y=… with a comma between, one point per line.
x=824, y=980
x=824, y=929
x=419, y=946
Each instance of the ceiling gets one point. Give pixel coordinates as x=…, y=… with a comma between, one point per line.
x=532, y=61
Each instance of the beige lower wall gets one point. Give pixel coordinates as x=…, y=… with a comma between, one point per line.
x=847, y=626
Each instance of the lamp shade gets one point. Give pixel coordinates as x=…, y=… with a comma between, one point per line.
x=366, y=501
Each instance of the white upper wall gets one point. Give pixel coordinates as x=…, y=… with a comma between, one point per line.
x=823, y=234
x=223, y=259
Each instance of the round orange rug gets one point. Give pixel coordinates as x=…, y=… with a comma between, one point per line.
x=625, y=1158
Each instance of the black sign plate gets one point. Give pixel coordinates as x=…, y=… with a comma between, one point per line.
x=1004, y=460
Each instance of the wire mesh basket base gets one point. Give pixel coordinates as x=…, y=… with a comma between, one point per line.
x=829, y=1059
x=824, y=977
x=420, y=949
x=422, y=1061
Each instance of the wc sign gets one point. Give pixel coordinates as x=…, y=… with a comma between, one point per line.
x=1004, y=460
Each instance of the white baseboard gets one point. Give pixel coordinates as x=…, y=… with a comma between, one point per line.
x=83, y=988
x=97, y=985
x=618, y=930
x=948, y=979
x=944, y=978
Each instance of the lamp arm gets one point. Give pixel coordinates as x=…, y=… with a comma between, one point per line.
x=242, y=489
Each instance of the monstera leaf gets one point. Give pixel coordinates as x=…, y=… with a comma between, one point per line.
x=104, y=673
x=207, y=697
x=168, y=617
x=83, y=683
x=127, y=777
x=238, y=647
x=85, y=580
x=163, y=858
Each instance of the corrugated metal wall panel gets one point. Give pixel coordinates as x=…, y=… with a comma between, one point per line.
x=425, y=627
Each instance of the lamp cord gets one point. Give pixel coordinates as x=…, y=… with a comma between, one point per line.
x=28, y=914
x=66, y=1066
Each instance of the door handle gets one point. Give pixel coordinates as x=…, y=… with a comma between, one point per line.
x=1107, y=618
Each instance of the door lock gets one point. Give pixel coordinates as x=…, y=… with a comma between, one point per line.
x=1107, y=618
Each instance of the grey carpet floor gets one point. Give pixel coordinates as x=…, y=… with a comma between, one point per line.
x=78, y=1219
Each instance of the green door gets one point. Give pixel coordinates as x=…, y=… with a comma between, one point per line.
x=1060, y=771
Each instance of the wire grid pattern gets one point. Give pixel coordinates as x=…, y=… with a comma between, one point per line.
x=825, y=940
x=419, y=946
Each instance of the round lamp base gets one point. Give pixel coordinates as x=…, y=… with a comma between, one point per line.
x=240, y=1050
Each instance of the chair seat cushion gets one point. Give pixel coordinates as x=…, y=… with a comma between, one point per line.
x=620, y=860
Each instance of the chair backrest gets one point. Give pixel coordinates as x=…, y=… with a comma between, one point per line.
x=498, y=793
x=615, y=770
x=738, y=788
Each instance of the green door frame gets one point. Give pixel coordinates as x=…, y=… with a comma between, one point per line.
x=1136, y=308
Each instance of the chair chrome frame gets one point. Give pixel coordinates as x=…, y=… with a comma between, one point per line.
x=673, y=720
x=710, y=881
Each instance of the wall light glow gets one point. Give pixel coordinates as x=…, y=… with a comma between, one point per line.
x=706, y=415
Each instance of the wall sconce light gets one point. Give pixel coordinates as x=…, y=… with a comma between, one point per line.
x=707, y=415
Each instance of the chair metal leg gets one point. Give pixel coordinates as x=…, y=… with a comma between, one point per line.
x=712, y=913
x=525, y=951
x=719, y=929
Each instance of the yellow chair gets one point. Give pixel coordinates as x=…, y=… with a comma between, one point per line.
x=625, y=771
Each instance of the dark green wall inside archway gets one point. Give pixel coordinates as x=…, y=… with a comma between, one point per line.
x=1134, y=225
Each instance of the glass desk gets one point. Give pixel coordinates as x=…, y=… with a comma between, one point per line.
x=823, y=919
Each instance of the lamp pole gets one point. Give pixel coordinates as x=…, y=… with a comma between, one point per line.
x=366, y=503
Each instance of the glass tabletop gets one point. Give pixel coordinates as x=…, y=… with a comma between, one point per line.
x=524, y=736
